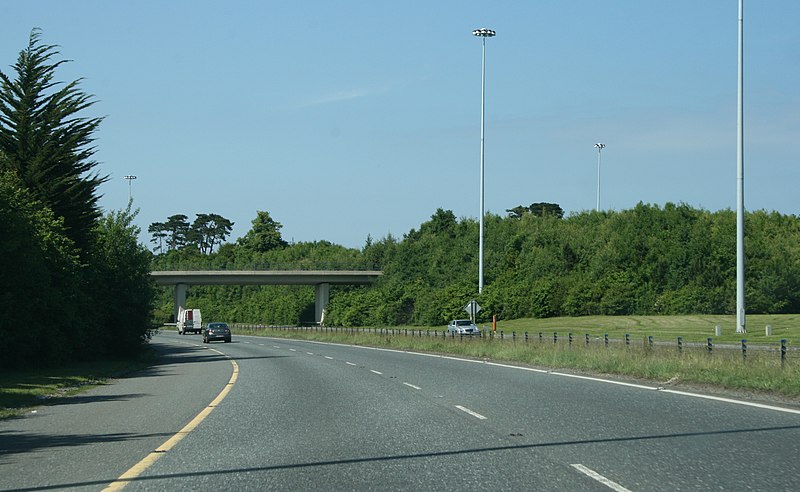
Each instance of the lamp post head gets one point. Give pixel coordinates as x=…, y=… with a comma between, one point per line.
x=600, y=146
x=483, y=33
x=129, y=177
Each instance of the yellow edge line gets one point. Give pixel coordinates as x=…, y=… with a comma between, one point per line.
x=151, y=458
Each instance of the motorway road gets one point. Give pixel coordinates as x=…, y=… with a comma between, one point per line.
x=303, y=415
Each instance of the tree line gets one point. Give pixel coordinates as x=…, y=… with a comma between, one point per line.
x=76, y=282
x=651, y=259
x=207, y=231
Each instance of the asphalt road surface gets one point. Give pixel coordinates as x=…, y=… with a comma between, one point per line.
x=293, y=415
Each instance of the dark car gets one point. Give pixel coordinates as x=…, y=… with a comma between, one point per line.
x=216, y=331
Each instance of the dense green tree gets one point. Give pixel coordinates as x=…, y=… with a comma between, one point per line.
x=209, y=230
x=177, y=229
x=47, y=142
x=158, y=232
x=41, y=274
x=265, y=235
x=123, y=291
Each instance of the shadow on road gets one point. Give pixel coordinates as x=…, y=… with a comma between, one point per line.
x=12, y=442
x=433, y=454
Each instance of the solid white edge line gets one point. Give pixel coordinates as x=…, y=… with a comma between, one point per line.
x=412, y=386
x=728, y=400
x=600, y=478
x=474, y=414
x=575, y=376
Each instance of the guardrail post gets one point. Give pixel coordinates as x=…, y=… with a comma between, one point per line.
x=710, y=345
x=783, y=352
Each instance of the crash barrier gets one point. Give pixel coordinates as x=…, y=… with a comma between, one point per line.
x=780, y=350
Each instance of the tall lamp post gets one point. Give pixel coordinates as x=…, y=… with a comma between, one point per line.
x=130, y=178
x=740, y=308
x=600, y=147
x=482, y=33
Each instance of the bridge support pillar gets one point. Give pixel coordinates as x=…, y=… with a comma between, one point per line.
x=180, y=299
x=322, y=293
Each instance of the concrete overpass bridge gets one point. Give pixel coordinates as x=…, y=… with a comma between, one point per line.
x=320, y=279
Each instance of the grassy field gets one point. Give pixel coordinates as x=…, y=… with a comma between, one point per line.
x=692, y=328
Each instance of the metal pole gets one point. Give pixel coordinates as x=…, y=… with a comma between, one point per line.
x=740, y=304
x=600, y=147
x=483, y=33
x=129, y=178
x=483, y=122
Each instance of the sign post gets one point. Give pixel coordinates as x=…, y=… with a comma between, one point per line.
x=473, y=308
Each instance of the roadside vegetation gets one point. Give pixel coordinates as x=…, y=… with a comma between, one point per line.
x=76, y=283
x=648, y=261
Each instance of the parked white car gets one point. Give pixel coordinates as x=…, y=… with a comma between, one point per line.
x=462, y=327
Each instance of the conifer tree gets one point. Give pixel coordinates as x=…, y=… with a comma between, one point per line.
x=45, y=140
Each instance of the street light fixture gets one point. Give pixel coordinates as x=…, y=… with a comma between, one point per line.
x=600, y=147
x=130, y=178
x=482, y=33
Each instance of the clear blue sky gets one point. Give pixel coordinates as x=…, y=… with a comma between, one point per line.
x=353, y=118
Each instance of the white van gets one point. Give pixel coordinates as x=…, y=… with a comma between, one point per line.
x=189, y=320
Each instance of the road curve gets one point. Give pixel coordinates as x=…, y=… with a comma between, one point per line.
x=306, y=415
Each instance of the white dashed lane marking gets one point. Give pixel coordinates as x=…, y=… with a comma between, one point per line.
x=412, y=386
x=474, y=414
x=600, y=478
